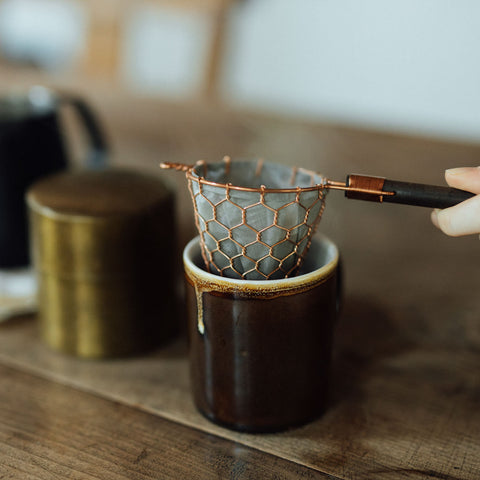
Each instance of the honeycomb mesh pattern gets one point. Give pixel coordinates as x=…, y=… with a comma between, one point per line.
x=255, y=233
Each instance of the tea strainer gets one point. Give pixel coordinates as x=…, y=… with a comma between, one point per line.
x=256, y=219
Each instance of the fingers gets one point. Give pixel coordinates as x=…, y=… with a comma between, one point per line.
x=465, y=178
x=462, y=219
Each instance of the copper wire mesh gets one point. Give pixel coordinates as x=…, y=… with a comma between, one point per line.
x=255, y=233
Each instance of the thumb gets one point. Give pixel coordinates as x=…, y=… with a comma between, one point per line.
x=465, y=178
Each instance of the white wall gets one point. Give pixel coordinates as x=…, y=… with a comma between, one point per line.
x=165, y=50
x=411, y=65
x=47, y=33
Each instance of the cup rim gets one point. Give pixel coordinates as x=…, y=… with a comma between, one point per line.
x=314, y=276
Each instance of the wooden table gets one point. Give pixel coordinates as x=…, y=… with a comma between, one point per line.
x=406, y=374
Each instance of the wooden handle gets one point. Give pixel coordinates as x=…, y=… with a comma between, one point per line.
x=378, y=189
x=424, y=195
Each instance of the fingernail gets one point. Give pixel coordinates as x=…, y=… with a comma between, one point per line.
x=458, y=171
x=461, y=170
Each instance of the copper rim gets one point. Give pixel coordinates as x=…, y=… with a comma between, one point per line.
x=188, y=169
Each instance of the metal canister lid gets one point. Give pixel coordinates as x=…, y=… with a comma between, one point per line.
x=97, y=193
x=89, y=221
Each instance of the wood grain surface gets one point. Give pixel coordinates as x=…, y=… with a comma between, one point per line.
x=50, y=431
x=397, y=410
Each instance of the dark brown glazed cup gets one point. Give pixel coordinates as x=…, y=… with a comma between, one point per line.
x=260, y=350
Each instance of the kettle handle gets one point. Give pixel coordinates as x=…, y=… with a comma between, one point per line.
x=98, y=153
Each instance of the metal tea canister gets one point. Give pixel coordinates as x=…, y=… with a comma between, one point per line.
x=106, y=287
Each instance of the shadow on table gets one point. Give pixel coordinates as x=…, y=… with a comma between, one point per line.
x=366, y=334
x=17, y=322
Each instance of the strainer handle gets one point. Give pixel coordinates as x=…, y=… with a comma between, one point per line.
x=422, y=195
x=377, y=189
x=181, y=167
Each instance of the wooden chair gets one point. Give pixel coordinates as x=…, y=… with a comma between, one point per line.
x=105, y=34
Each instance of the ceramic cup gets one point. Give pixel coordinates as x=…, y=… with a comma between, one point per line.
x=260, y=350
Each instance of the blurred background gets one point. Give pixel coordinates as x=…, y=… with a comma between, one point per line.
x=403, y=66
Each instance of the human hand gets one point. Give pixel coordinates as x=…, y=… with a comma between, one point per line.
x=464, y=218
